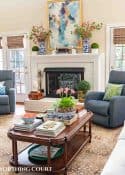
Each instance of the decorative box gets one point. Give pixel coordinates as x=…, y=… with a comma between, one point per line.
x=35, y=95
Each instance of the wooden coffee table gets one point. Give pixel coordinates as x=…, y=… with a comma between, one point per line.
x=73, y=138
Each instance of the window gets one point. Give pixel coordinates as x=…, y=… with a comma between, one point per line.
x=119, y=48
x=14, y=51
x=1, y=54
x=17, y=61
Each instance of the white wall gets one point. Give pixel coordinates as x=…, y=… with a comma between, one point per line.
x=107, y=11
x=23, y=14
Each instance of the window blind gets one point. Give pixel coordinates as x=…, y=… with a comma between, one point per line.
x=0, y=42
x=119, y=36
x=15, y=42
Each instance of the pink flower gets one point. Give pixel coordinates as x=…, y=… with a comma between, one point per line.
x=73, y=91
x=66, y=90
x=61, y=89
x=58, y=91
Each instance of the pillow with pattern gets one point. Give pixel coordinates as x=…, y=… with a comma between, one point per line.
x=2, y=90
x=112, y=90
x=2, y=83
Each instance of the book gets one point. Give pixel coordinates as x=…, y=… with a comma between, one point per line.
x=49, y=134
x=82, y=113
x=50, y=128
x=22, y=126
x=42, y=151
x=70, y=121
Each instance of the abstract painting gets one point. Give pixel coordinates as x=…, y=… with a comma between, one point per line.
x=63, y=15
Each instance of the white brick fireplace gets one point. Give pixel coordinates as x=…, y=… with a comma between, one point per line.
x=94, y=67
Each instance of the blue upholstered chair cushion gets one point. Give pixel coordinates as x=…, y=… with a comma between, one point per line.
x=2, y=90
x=99, y=107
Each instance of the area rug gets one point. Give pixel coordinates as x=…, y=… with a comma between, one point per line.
x=90, y=161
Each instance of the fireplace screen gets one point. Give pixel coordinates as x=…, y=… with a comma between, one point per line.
x=62, y=77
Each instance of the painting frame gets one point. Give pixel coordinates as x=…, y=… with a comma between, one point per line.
x=58, y=10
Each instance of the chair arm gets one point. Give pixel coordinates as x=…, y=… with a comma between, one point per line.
x=117, y=110
x=12, y=99
x=93, y=95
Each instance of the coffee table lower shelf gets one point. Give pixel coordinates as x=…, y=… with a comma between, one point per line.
x=58, y=165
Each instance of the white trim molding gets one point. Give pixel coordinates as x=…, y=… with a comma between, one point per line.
x=94, y=67
x=109, y=46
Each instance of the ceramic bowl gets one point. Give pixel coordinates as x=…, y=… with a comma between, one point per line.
x=28, y=118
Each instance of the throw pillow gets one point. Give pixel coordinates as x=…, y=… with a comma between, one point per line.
x=2, y=83
x=2, y=90
x=112, y=90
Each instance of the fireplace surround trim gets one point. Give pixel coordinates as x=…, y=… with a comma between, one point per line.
x=94, y=66
x=64, y=69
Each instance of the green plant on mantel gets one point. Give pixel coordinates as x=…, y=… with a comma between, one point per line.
x=94, y=45
x=35, y=48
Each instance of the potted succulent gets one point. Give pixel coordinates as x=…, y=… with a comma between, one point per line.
x=95, y=48
x=66, y=105
x=35, y=50
x=82, y=88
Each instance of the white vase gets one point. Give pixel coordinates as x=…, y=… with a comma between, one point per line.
x=34, y=53
x=74, y=51
x=95, y=51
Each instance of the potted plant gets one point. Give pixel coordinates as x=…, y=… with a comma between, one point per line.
x=82, y=88
x=95, y=48
x=66, y=104
x=39, y=35
x=35, y=50
x=84, y=31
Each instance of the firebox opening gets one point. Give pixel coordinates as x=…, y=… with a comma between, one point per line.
x=62, y=77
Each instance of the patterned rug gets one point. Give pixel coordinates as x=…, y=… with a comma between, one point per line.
x=90, y=161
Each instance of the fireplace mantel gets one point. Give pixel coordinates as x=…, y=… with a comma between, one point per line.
x=94, y=67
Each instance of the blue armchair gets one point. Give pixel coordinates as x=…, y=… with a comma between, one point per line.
x=111, y=113
x=7, y=102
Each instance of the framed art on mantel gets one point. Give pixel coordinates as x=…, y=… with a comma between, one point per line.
x=63, y=15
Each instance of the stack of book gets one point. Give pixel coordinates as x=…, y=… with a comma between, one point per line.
x=22, y=126
x=70, y=121
x=41, y=152
x=50, y=128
